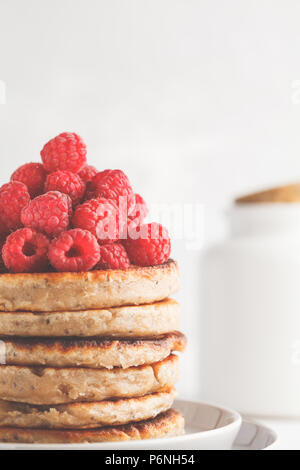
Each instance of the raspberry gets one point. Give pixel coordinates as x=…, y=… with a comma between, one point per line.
x=13, y=198
x=33, y=175
x=67, y=151
x=113, y=256
x=99, y=216
x=48, y=213
x=151, y=247
x=2, y=265
x=111, y=184
x=25, y=251
x=87, y=173
x=68, y=183
x=139, y=211
x=74, y=250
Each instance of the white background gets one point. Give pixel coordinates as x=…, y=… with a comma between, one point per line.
x=197, y=100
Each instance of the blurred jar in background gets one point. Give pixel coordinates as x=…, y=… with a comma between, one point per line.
x=250, y=323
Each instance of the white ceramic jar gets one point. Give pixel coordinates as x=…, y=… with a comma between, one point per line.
x=250, y=319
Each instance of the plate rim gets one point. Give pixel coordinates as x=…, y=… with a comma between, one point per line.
x=237, y=418
x=266, y=428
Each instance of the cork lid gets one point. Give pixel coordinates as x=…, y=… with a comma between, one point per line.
x=287, y=193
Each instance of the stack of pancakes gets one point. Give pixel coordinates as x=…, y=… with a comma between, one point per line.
x=88, y=357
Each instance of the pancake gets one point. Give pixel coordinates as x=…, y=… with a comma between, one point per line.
x=167, y=424
x=93, y=352
x=142, y=320
x=50, y=292
x=86, y=415
x=48, y=385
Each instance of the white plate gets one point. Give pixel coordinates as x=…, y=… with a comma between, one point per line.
x=208, y=427
x=254, y=436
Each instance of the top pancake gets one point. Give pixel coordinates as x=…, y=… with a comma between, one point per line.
x=46, y=292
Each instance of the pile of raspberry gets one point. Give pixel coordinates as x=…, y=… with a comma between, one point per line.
x=64, y=215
